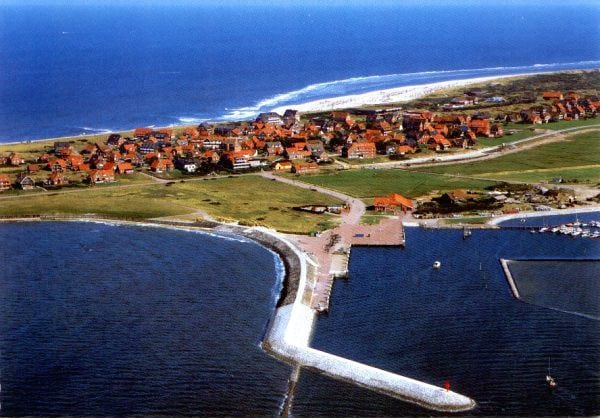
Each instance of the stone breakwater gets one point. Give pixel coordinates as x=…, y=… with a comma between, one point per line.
x=509, y=278
x=286, y=343
x=290, y=332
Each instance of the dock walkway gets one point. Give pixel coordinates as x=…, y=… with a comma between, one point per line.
x=323, y=258
x=290, y=344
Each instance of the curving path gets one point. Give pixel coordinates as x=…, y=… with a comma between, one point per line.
x=357, y=206
x=483, y=153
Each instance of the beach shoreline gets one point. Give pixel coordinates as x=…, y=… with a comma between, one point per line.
x=399, y=94
x=556, y=212
x=372, y=98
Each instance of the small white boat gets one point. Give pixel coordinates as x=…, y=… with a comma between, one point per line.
x=544, y=229
x=437, y=264
x=550, y=380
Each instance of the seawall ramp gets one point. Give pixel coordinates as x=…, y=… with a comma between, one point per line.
x=288, y=340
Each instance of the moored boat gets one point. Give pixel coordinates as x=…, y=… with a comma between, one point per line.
x=550, y=380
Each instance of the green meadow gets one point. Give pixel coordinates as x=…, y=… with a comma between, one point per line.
x=366, y=184
x=251, y=200
x=575, y=157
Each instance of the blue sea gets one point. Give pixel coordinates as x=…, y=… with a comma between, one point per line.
x=110, y=320
x=460, y=324
x=89, y=67
x=117, y=321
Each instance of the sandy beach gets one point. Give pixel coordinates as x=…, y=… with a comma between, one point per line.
x=392, y=95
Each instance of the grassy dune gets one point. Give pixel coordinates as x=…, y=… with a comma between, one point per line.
x=366, y=184
x=576, y=157
x=249, y=199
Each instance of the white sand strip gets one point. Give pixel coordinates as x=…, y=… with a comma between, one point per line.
x=392, y=95
x=500, y=219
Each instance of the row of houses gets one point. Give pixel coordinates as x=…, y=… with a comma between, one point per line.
x=25, y=182
x=273, y=140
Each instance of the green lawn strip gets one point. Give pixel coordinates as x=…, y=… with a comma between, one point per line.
x=526, y=131
x=129, y=203
x=466, y=221
x=566, y=124
x=368, y=183
x=360, y=161
x=251, y=200
x=254, y=201
x=568, y=175
x=580, y=149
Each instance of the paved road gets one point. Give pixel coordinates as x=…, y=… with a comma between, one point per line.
x=490, y=152
x=357, y=206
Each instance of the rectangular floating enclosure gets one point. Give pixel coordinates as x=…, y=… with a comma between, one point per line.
x=569, y=286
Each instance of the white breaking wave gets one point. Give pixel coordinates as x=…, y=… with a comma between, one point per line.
x=327, y=93
x=190, y=120
x=89, y=130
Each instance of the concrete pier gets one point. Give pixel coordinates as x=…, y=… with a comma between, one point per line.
x=509, y=278
x=290, y=333
x=288, y=340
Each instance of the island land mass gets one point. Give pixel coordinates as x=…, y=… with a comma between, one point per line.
x=310, y=185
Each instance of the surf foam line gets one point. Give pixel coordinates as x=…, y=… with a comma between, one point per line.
x=337, y=88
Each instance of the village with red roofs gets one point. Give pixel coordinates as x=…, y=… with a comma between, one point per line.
x=283, y=142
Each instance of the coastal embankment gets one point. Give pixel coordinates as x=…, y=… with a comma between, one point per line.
x=290, y=330
x=290, y=333
x=574, y=211
x=509, y=278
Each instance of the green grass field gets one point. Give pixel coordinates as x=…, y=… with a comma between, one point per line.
x=249, y=199
x=366, y=184
x=527, y=131
x=576, y=157
x=587, y=175
x=477, y=220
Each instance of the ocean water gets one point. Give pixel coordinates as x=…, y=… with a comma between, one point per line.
x=460, y=324
x=111, y=320
x=569, y=286
x=88, y=68
x=551, y=220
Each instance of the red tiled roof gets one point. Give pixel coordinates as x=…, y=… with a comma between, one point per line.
x=142, y=131
x=479, y=123
x=393, y=199
x=124, y=167
x=552, y=95
x=368, y=146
